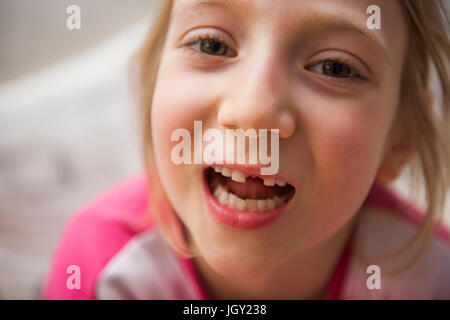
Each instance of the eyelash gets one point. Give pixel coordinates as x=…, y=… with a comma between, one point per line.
x=189, y=45
x=357, y=75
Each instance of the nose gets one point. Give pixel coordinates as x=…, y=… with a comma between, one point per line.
x=259, y=98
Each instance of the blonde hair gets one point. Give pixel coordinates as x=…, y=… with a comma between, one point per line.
x=427, y=131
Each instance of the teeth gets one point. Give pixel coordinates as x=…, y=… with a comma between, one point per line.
x=235, y=175
x=270, y=204
x=238, y=176
x=226, y=172
x=218, y=191
x=223, y=197
x=278, y=201
x=251, y=205
x=269, y=182
x=241, y=204
x=232, y=201
x=261, y=205
x=280, y=183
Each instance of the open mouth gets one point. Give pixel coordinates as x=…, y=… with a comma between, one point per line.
x=242, y=192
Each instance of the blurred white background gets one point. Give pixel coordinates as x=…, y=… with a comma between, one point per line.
x=67, y=122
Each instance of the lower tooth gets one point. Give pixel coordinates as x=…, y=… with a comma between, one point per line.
x=232, y=201
x=251, y=205
x=270, y=204
x=223, y=198
x=261, y=205
x=241, y=204
x=278, y=201
x=218, y=191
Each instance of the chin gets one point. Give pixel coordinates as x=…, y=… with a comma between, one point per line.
x=236, y=263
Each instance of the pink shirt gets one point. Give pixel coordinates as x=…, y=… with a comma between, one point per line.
x=121, y=253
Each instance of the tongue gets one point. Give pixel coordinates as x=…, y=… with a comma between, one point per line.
x=252, y=189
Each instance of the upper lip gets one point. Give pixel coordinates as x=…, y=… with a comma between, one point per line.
x=250, y=170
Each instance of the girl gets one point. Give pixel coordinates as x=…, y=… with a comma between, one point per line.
x=346, y=83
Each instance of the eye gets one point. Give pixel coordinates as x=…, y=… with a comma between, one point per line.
x=336, y=69
x=211, y=46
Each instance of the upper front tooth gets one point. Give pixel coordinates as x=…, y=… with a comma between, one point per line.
x=280, y=183
x=218, y=169
x=269, y=182
x=226, y=172
x=238, y=176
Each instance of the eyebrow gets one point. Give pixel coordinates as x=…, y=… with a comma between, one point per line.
x=333, y=23
x=232, y=5
x=321, y=20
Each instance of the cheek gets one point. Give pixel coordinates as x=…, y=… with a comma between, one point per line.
x=176, y=104
x=170, y=112
x=181, y=95
x=346, y=136
x=346, y=146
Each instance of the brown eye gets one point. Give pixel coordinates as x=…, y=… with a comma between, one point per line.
x=336, y=69
x=213, y=47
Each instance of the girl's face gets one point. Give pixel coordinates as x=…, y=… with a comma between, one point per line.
x=313, y=70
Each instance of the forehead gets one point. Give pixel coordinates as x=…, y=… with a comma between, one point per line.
x=286, y=15
x=391, y=9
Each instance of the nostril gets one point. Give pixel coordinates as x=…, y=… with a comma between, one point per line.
x=287, y=125
x=238, y=118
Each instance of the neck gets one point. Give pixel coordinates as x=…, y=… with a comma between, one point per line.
x=307, y=275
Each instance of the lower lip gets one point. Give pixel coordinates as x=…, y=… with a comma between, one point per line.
x=238, y=219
